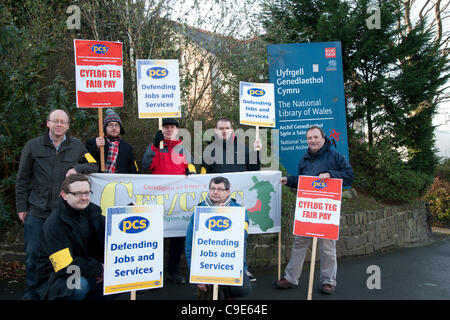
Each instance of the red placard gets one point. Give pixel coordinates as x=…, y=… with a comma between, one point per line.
x=98, y=74
x=318, y=208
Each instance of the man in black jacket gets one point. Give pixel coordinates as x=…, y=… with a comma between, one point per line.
x=226, y=154
x=44, y=163
x=118, y=154
x=70, y=264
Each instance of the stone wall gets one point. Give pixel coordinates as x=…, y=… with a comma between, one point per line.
x=360, y=233
x=11, y=244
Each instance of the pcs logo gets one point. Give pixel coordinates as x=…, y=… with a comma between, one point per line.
x=157, y=72
x=218, y=223
x=255, y=92
x=319, y=184
x=99, y=48
x=133, y=224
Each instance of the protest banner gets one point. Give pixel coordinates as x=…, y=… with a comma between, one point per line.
x=98, y=74
x=158, y=85
x=98, y=78
x=257, y=104
x=218, y=246
x=258, y=191
x=317, y=213
x=133, y=249
x=318, y=208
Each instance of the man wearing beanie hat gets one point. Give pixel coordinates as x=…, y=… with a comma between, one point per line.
x=118, y=154
x=171, y=159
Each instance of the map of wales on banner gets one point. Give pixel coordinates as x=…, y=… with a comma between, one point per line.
x=258, y=191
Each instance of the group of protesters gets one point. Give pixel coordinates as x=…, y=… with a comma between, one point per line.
x=62, y=228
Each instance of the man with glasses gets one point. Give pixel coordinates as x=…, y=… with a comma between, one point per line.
x=70, y=264
x=219, y=196
x=118, y=153
x=44, y=163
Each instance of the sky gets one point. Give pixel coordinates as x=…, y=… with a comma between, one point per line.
x=210, y=15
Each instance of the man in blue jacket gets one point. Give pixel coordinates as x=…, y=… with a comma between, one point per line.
x=218, y=196
x=323, y=162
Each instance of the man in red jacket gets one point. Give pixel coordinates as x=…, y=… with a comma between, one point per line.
x=172, y=158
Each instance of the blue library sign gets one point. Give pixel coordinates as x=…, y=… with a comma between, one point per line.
x=309, y=90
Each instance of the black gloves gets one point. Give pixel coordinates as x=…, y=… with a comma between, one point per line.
x=158, y=138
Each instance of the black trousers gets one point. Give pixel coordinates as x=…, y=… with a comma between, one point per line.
x=176, y=249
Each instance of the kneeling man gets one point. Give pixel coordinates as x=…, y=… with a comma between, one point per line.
x=70, y=264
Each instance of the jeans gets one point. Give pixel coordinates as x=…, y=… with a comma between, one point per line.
x=32, y=231
x=89, y=290
x=328, y=261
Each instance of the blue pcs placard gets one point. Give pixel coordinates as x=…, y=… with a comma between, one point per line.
x=309, y=90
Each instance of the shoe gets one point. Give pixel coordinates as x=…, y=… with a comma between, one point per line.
x=327, y=288
x=250, y=276
x=177, y=278
x=284, y=284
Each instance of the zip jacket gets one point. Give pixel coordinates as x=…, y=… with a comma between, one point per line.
x=42, y=170
x=172, y=159
x=325, y=160
x=229, y=156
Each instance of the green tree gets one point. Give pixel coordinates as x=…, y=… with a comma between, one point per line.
x=393, y=73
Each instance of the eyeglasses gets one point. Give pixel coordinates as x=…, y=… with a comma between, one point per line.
x=113, y=125
x=59, y=121
x=79, y=194
x=217, y=189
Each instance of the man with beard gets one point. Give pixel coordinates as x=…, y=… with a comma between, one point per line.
x=118, y=153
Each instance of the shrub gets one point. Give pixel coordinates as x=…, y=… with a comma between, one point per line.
x=381, y=173
x=443, y=170
x=438, y=200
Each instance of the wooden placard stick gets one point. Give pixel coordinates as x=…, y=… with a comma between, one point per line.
x=311, y=271
x=216, y=292
x=279, y=255
x=101, y=134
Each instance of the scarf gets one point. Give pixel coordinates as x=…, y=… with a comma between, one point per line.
x=209, y=203
x=113, y=151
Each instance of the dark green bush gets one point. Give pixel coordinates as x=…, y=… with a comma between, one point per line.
x=381, y=173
